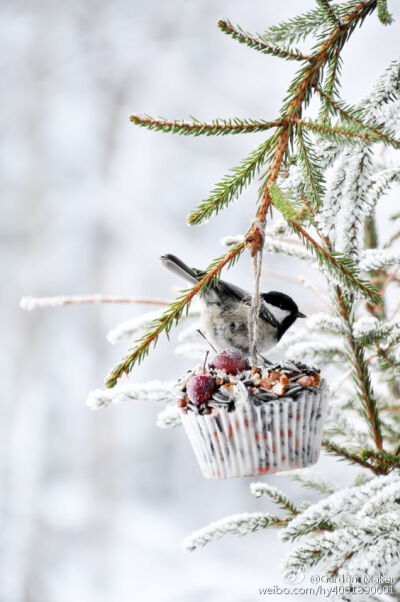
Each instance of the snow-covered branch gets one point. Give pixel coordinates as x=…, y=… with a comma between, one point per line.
x=376, y=259
x=31, y=303
x=336, y=505
x=169, y=417
x=311, y=480
x=150, y=391
x=237, y=524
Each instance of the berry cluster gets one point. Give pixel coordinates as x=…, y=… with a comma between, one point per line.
x=201, y=386
x=218, y=384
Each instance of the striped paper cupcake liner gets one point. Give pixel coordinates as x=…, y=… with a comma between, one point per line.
x=251, y=440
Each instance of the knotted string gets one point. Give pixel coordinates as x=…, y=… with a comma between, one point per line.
x=254, y=310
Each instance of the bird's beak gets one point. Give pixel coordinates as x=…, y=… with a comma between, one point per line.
x=300, y=315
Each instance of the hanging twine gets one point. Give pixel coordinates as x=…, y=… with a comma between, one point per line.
x=258, y=230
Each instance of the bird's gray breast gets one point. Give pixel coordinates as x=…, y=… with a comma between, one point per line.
x=226, y=325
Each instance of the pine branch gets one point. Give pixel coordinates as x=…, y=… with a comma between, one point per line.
x=312, y=480
x=351, y=114
x=341, y=504
x=329, y=12
x=331, y=83
x=372, y=543
x=313, y=178
x=283, y=204
x=169, y=417
x=381, y=184
x=171, y=316
x=341, y=267
x=232, y=184
x=361, y=373
x=392, y=239
x=369, y=330
x=279, y=498
x=299, y=94
x=377, y=259
x=149, y=391
x=31, y=303
x=343, y=452
x=238, y=524
x=297, y=28
x=339, y=135
x=259, y=44
x=382, y=458
x=354, y=198
x=383, y=14
x=388, y=363
x=217, y=127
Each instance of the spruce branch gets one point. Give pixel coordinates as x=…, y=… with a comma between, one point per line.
x=299, y=94
x=337, y=506
x=371, y=543
x=377, y=259
x=31, y=303
x=169, y=417
x=369, y=330
x=343, y=452
x=383, y=14
x=386, y=460
x=313, y=178
x=149, y=391
x=217, y=127
x=238, y=524
x=283, y=204
x=172, y=315
x=297, y=28
x=331, y=83
x=311, y=480
x=329, y=12
x=361, y=373
x=389, y=363
x=259, y=44
x=381, y=183
x=279, y=498
x=341, y=267
x=232, y=184
x=340, y=134
x=352, y=115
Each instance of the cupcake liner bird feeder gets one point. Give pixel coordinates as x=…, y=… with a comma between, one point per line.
x=245, y=420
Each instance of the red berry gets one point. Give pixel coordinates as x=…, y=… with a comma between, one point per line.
x=231, y=360
x=200, y=388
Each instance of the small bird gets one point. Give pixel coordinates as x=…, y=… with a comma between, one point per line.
x=225, y=309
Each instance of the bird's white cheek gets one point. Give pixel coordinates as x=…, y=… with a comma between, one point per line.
x=277, y=312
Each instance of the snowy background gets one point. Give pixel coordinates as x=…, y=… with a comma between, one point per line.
x=94, y=505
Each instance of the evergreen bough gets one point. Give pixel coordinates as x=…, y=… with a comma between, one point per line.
x=356, y=529
x=334, y=219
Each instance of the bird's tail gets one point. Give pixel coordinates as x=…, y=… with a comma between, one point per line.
x=176, y=266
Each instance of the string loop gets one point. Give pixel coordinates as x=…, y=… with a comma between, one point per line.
x=254, y=310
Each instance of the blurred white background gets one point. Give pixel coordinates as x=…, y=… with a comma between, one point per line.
x=94, y=505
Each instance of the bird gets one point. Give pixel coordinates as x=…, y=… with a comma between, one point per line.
x=225, y=310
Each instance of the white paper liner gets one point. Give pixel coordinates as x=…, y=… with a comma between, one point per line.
x=254, y=440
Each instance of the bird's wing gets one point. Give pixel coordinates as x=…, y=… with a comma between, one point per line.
x=242, y=295
x=232, y=290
